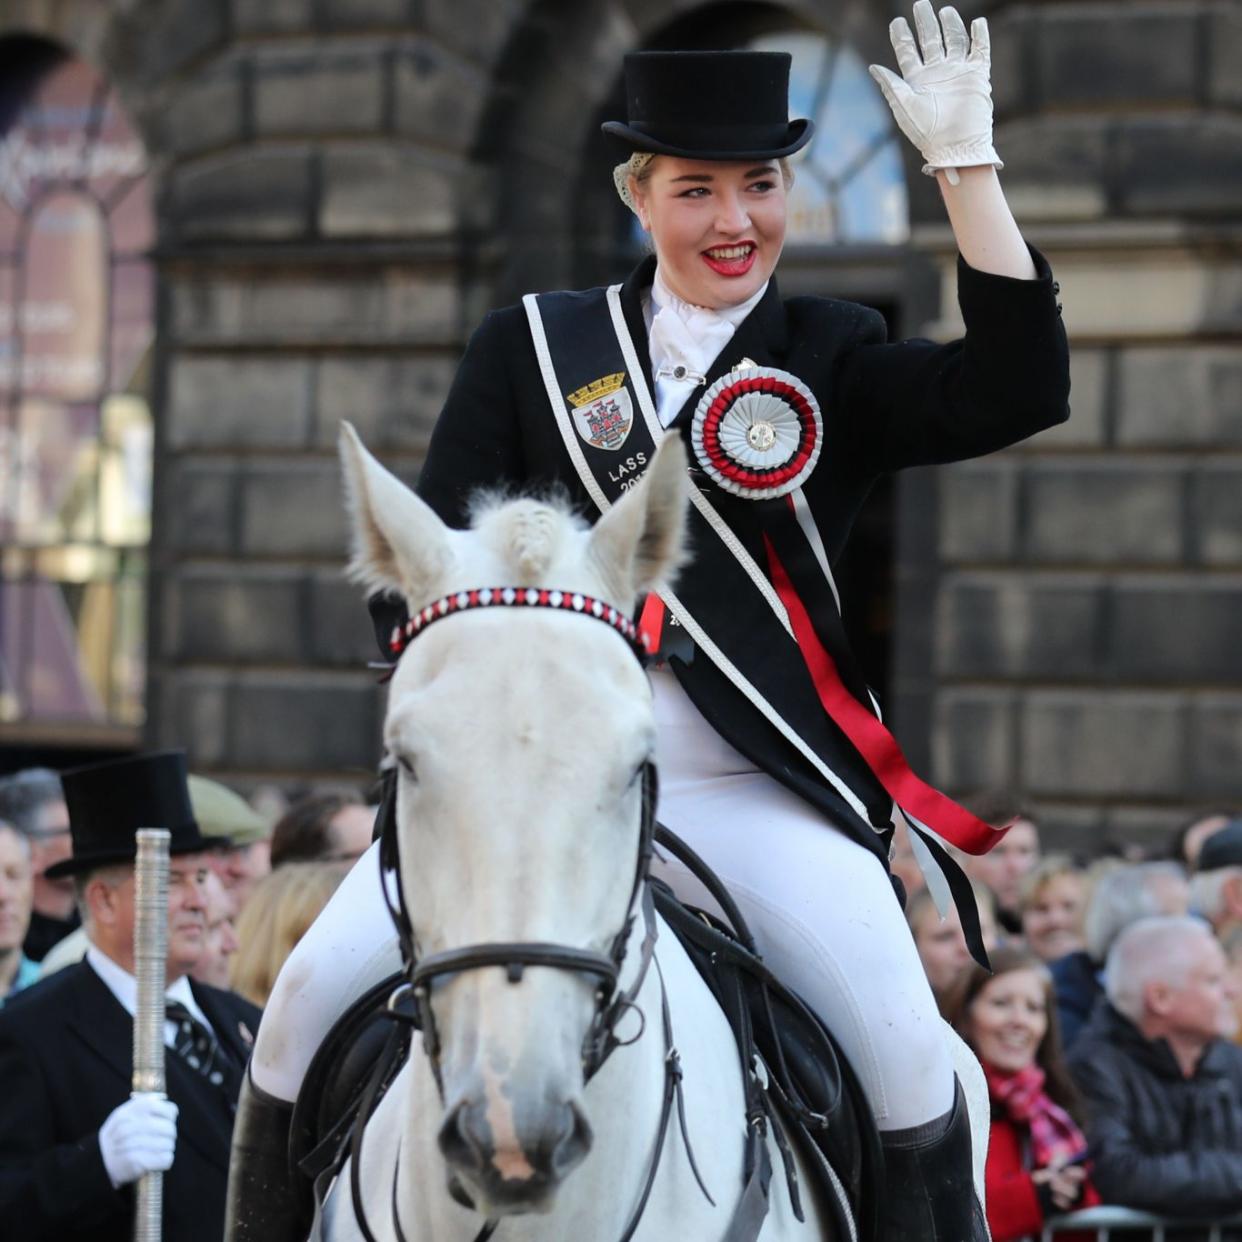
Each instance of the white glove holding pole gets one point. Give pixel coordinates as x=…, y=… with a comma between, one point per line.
x=139, y=1136
x=943, y=99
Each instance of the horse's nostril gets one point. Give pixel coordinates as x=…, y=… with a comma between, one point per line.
x=460, y=1141
x=574, y=1143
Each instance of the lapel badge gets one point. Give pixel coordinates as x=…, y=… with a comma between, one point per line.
x=757, y=432
x=602, y=411
x=244, y=1031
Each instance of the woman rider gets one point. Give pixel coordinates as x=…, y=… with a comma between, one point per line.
x=774, y=764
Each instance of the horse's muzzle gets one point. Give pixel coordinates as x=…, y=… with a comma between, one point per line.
x=520, y=1176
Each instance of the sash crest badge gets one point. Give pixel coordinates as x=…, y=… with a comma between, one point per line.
x=602, y=411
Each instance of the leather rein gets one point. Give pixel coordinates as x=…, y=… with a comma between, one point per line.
x=611, y=1002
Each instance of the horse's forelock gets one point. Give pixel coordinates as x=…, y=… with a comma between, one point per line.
x=527, y=532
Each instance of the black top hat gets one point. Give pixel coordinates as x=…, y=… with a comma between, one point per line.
x=709, y=106
x=1222, y=849
x=109, y=802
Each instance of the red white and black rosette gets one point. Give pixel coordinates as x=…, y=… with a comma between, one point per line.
x=758, y=432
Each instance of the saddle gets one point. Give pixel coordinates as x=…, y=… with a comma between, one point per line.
x=797, y=1079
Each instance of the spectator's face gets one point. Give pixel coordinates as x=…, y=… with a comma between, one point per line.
x=1008, y=1020
x=220, y=937
x=187, y=912
x=241, y=868
x=1052, y=923
x=942, y=948
x=350, y=833
x=15, y=889
x=1004, y=866
x=1201, y=1005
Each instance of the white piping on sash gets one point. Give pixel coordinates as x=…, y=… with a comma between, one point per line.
x=730, y=540
x=548, y=371
x=802, y=511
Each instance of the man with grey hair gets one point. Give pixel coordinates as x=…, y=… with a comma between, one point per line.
x=1120, y=897
x=34, y=803
x=1163, y=1082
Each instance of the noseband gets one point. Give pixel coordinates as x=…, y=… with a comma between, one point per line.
x=514, y=957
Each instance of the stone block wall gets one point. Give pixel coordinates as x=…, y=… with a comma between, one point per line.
x=319, y=185
x=346, y=185
x=1090, y=594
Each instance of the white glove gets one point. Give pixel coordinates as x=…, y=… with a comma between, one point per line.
x=943, y=99
x=138, y=1137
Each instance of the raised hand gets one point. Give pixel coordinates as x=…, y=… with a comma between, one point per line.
x=943, y=98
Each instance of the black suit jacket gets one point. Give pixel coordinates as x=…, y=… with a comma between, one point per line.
x=65, y=1064
x=885, y=406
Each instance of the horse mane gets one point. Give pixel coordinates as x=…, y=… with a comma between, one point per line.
x=527, y=530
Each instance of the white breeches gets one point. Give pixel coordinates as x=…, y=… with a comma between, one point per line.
x=821, y=909
x=820, y=906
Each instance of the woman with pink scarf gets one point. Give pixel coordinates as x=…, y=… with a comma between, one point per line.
x=1036, y=1165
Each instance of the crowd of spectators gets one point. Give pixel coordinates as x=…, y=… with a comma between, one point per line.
x=247, y=878
x=1107, y=1025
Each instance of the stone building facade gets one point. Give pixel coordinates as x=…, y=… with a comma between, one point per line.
x=343, y=187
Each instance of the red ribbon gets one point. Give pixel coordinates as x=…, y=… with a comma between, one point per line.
x=651, y=623
x=871, y=739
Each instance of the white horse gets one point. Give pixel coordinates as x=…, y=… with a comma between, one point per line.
x=520, y=736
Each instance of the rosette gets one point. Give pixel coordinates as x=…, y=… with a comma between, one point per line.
x=758, y=432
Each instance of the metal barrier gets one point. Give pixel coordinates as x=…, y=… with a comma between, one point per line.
x=1107, y=1221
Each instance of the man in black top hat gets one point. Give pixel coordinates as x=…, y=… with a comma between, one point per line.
x=72, y=1142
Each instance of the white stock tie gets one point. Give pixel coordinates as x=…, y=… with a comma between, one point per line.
x=685, y=341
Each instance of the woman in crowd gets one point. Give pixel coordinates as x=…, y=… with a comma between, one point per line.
x=773, y=762
x=1036, y=1155
x=941, y=943
x=1052, y=903
x=276, y=917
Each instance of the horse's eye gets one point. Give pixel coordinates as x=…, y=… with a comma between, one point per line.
x=406, y=765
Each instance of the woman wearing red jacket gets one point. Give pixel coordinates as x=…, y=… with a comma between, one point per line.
x=1035, y=1165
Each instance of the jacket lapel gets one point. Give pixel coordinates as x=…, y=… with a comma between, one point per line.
x=230, y=1026
x=100, y=1022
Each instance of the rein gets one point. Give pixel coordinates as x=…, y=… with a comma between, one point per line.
x=514, y=957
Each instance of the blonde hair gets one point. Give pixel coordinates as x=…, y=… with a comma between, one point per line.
x=282, y=907
x=1050, y=867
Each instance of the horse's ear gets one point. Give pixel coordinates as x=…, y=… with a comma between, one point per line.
x=641, y=541
x=397, y=541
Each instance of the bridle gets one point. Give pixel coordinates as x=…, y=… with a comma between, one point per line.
x=514, y=957
x=611, y=1002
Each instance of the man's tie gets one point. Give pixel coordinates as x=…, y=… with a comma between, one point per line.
x=201, y=1050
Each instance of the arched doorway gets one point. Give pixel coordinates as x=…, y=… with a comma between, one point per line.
x=76, y=324
x=849, y=226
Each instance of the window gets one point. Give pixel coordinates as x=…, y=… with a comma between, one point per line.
x=849, y=183
x=76, y=315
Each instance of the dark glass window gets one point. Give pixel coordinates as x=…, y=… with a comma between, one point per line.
x=76, y=323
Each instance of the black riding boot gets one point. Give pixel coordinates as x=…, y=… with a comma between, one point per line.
x=929, y=1192
x=267, y=1201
